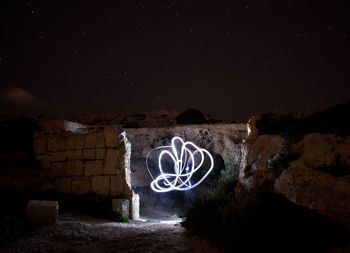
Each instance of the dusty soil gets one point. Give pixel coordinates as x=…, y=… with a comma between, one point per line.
x=74, y=233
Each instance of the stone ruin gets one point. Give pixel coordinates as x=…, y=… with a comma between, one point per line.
x=82, y=159
x=88, y=159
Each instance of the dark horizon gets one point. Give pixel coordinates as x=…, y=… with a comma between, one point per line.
x=229, y=59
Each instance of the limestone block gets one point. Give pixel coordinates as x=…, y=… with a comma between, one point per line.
x=117, y=185
x=44, y=161
x=93, y=168
x=56, y=143
x=94, y=140
x=90, y=140
x=42, y=212
x=100, y=139
x=111, y=136
x=75, y=168
x=100, y=153
x=121, y=207
x=58, y=169
x=135, y=206
x=58, y=156
x=89, y=154
x=40, y=145
x=63, y=185
x=74, y=154
x=81, y=185
x=100, y=185
x=75, y=141
x=111, y=162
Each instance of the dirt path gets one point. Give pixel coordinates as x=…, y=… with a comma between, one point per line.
x=89, y=235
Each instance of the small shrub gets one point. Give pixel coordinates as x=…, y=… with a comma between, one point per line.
x=271, y=123
x=203, y=218
x=190, y=116
x=224, y=187
x=261, y=221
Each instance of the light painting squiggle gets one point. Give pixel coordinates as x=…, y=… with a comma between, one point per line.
x=185, y=164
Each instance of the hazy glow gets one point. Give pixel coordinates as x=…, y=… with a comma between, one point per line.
x=186, y=163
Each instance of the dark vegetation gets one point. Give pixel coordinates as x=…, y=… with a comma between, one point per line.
x=334, y=120
x=261, y=221
x=191, y=116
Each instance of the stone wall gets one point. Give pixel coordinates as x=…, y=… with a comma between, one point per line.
x=223, y=141
x=86, y=159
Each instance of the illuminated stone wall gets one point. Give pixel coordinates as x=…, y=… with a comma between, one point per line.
x=89, y=159
x=223, y=141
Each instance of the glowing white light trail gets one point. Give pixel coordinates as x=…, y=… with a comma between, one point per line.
x=186, y=163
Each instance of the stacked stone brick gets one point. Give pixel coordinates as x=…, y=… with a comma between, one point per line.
x=95, y=161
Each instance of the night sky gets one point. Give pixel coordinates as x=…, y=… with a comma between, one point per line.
x=231, y=59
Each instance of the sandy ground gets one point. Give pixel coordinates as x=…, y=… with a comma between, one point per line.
x=74, y=233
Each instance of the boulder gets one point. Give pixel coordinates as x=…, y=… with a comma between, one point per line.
x=255, y=170
x=121, y=207
x=42, y=212
x=320, y=178
x=313, y=189
x=326, y=152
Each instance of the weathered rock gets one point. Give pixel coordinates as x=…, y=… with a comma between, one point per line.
x=89, y=154
x=320, y=150
x=100, y=185
x=42, y=212
x=121, y=207
x=306, y=182
x=93, y=168
x=40, y=145
x=135, y=212
x=63, y=185
x=255, y=170
x=117, y=185
x=56, y=143
x=58, y=169
x=314, y=189
x=111, y=163
x=58, y=156
x=75, y=141
x=44, y=161
x=94, y=140
x=252, y=129
x=100, y=153
x=326, y=153
x=51, y=124
x=74, y=154
x=221, y=138
x=75, y=168
x=111, y=136
x=81, y=185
